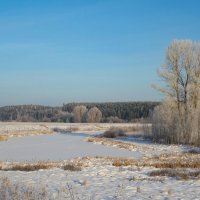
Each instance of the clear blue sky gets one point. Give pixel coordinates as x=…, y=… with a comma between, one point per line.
x=56, y=51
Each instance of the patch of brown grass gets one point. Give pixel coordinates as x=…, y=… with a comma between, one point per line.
x=177, y=161
x=177, y=164
x=174, y=161
x=4, y=137
x=123, y=162
x=179, y=174
x=71, y=167
x=30, y=167
x=31, y=133
x=110, y=142
x=45, y=165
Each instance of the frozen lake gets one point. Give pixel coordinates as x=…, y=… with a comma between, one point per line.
x=56, y=147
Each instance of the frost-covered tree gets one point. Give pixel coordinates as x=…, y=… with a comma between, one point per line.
x=174, y=120
x=79, y=113
x=94, y=115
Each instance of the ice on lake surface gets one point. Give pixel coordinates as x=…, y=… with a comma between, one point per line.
x=56, y=147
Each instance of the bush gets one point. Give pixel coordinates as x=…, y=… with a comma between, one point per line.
x=71, y=167
x=185, y=175
x=65, y=130
x=114, y=132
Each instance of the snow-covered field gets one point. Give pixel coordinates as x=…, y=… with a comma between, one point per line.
x=101, y=177
x=101, y=180
x=16, y=127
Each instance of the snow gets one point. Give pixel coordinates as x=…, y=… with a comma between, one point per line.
x=98, y=179
x=103, y=181
x=10, y=127
x=150, y=149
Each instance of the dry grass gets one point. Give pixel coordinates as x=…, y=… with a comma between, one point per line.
x=30, y=167
x=110, y=142
x=31, y=133
x=23, y=191
x=9, y=191
x=179, y=174
x=123, y=162
x=71, y=167
x=174, y=161
x=177, y=161
x=153, y=179
x=177, y=164
x=4, y=137
x=66, y=130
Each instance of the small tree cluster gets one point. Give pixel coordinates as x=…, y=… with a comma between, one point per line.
x=116, y=112
x=82, y=114
x=79, y=113
x=94, y=115
x=126, y=111
x=177, y=120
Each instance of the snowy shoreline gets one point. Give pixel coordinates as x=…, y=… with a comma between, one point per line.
x=102, y=177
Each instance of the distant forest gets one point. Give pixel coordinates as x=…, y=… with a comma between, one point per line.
x=111, y=112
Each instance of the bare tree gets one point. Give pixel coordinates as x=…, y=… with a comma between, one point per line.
x=196, y=76
x=175, y=119
x=93, y=115
x=79, y=113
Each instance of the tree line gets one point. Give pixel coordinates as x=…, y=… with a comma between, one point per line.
x=118, y=111
x=79, y=112
x=32, y=113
